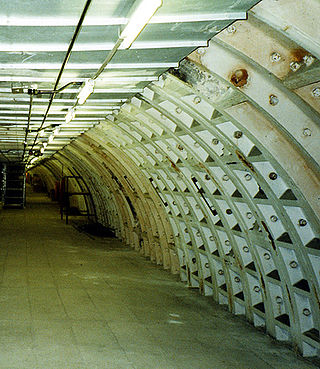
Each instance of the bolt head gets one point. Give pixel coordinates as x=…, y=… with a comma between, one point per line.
x=275, y=57
x=316, y=92
x=273, y=176
x=294, y=66
x=302, y=222
x=232, y=29
x=273, y=218
x=273, y=100
x=308, y=60
x=237, y=134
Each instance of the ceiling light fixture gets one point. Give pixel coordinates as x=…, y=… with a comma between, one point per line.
x=70, y=115
x=138, y=20
x=85, y=91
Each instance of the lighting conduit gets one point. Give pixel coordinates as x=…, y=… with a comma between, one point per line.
x=66, y=59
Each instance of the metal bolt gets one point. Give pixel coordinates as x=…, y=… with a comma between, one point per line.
x=179, y=147
x=267, y=256
x=316, y=92
x=178, y=110
x=306, y=312
x=275, y=57
x=215, y=141
x=198, y=234
x=196, y=144
x=201, y=50
x=232, y=29
x=245, y=248
x=225, y=178
x=273, y=176
x=220, y=272
x=248, y=177
x=249, y=215
x=273, y=218
x=206, y=265
x=273, y=100
x=302, y=222
x=211, y=238
x=308, y=60
x=174, y=203
x=294, y=66
x=237, y=279
x=186, y=230
x=227, y=242
x=197, y=100
x=307, y=132
x=207, y=177
x=229, y=211
x=256, y=288
x=293, y=264
x=279, y=300
x=237, y=134
x=194, y=260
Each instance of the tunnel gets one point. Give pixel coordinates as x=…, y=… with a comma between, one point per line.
x=159, y=184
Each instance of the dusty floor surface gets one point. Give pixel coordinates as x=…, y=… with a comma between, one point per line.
x=68, y=301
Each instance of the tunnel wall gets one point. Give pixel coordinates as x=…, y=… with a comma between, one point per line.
x=213, y=171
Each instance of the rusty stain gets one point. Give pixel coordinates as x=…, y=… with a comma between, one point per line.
x=173, y=165
x=298, y=55
x=239, y=77
x=245, y=161
x=269, y=235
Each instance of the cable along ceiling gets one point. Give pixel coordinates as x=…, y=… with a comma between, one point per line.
x=40, y=82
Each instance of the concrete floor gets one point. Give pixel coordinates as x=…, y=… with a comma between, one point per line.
x=70, y=302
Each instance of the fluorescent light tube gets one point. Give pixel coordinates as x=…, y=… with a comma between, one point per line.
x=85, y=91
x=138, y=20
x=70, y=115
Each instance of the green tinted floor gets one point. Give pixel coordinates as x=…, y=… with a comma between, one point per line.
x=70, y=302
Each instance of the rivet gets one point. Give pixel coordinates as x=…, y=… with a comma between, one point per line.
x=227, y=242
x=185, y=204
x=186, y=230
x=294, y=66
x=197, y=100
x=237, y=134
x=256, y=289
x=211, y=238
x=198, y=234
x=306, y=312
x=245, y=248
x=293, y=264
x=273, y=176
x=316, y=92
x=249, y=215
x=174, y=203
x=237, y=279
x=308, y=60
x=197, y=206
x=232, y=29
x=248, y=177
x=307, y=132
x=273, y=100
x=279, y=300
x=229, y=211
x=194, y=260
x=225, y=178
x=275, y=57
x=215, y=141
x=207, y=177
x=201, y=50
x=206, y=265
x=178, y=110
x=220, y=272
x=179, y=147
x=302, y=222
x=267, y=256
x=273, y=218
x=196, y=144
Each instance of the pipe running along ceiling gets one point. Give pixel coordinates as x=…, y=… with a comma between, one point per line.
x=211, y=170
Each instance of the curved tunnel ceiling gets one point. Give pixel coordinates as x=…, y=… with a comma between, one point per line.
x=213, y=170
